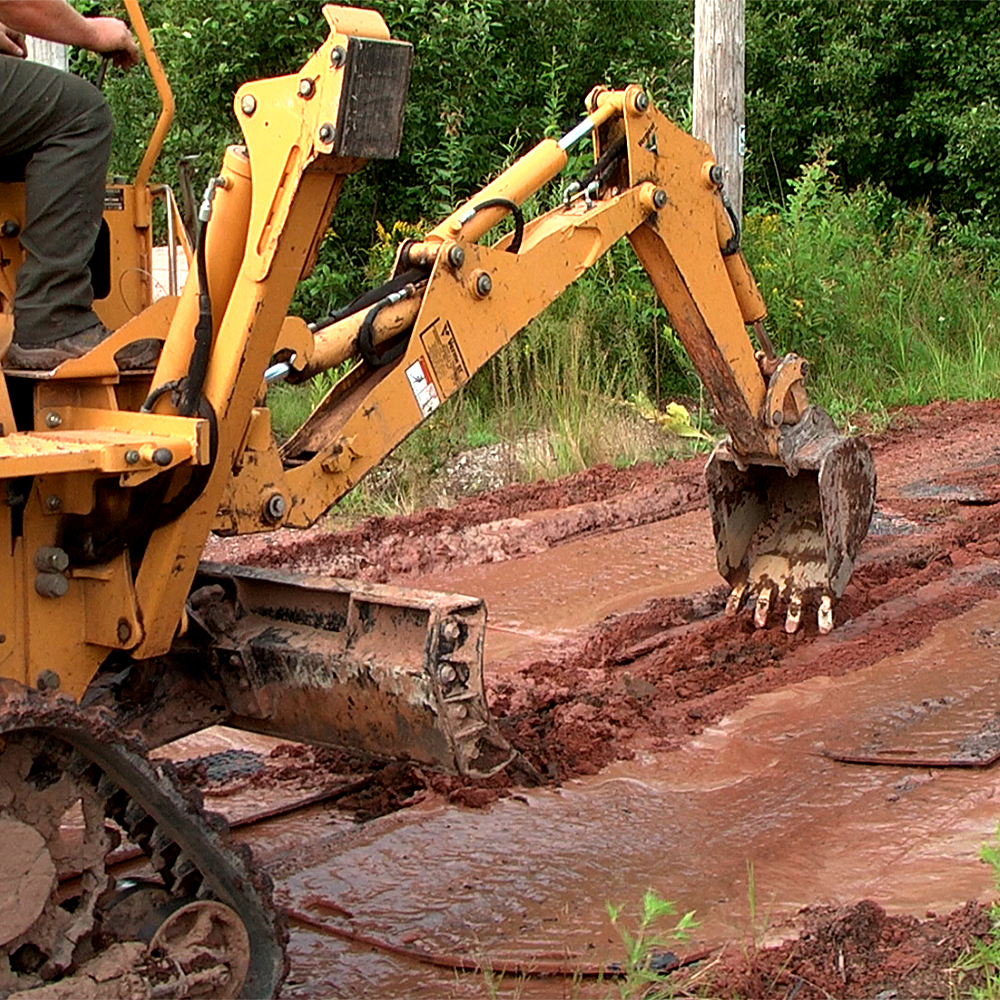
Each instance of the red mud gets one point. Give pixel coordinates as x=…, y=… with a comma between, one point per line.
x=655, y=676
x=858, y=951
x=652, y=677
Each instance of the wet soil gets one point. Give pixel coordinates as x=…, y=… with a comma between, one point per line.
x=609, y=660
x=859, y=951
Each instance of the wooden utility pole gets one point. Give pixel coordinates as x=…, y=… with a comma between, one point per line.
x=718, y=88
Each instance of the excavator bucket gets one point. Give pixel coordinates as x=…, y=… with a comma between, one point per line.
x=396, y=673
x=790, y=529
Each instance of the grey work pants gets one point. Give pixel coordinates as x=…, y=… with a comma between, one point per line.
x=56, y=128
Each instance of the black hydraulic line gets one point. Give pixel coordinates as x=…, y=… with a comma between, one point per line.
x=513, y=208
x=194, y=381
x=371, y=297
x=161, y=390
x=366, y=343
x=612, y=153
x=193, y=488
x=732, y=245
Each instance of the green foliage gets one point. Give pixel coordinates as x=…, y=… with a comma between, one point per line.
x=900, y=93
x=490, y=79
x=643, y=973
x=982, y=960
x=859, y=284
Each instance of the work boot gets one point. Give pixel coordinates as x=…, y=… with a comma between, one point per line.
x=46, y=357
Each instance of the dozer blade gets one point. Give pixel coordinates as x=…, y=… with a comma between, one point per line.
x=389, y=671
x=789, y=529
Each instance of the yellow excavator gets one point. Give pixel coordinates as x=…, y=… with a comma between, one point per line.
x=115, y=638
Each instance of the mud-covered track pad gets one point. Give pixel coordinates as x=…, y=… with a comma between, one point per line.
x=227, y=873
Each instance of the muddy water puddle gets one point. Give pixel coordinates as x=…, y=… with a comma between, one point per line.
x=541, y=600
x=526, y=879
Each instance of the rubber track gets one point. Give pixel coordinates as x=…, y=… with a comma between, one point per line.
x=200, y=840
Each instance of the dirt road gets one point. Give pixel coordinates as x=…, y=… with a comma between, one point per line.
x=687, y=751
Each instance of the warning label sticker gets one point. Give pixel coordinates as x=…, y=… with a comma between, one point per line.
x=422, y=386
x=443, y=353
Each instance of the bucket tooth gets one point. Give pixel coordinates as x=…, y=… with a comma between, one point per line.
x=736, y=598
x=824, y=617
x=765, y=597
x=793, y=619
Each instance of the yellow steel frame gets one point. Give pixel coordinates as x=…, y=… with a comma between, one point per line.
x=271, y=209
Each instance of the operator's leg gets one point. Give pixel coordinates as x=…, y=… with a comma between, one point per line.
x=62, y=124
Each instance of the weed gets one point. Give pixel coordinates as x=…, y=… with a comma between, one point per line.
x=888, y=311
x=644, y=971
x=983, y=958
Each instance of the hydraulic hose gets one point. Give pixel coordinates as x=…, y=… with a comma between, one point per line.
x=194, y=381
x=366, y=344
x=371, y=297
x=512, y=207
x=613, y=152
x=733, y=243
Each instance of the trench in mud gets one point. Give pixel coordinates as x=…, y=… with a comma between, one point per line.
x=684, y=746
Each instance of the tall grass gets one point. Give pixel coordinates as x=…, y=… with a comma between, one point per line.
x=890, y=308
x=888, y=313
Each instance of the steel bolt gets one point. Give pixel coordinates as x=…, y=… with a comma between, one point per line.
x=50, y=559
x=326, y=133
x=52, y=419
x=48, y=680
x=659, y=198
x=10, y=229
x=275, y=508
x=124, y=631
x=131, y=456
x=337, y=56
x=641, y=101
x=484, y=285
x=248, y=104
x=53, y=503
x=715, y=175
x=51, y=585
x=777, y=418
x=450, y=629
x=163, y=457
x=456, y=256
x=306, y=87
x=447, y=674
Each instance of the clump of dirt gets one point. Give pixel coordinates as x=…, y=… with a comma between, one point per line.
x=856, y=951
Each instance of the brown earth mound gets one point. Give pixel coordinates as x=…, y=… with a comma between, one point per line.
x=857, y=951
